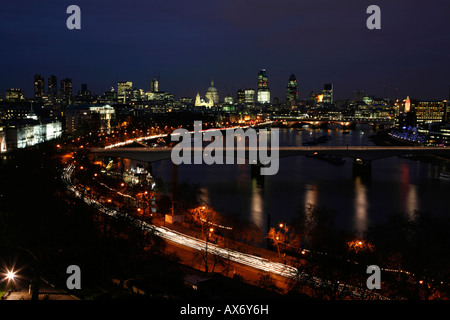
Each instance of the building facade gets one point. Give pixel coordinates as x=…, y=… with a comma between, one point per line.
x=292, y=90
x=39, y=86
x=89, y=117
x=263, y=95
x=26, y=134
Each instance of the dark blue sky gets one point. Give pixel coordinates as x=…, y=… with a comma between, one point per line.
x=188, y=42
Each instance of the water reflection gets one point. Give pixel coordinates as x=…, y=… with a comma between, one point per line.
x=396, y=185
x=412, y=201
x=311, y=199
x=361, y=206
x=257, y=205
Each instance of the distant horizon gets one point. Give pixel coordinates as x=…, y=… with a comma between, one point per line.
x=29, y=92
x=189, y=42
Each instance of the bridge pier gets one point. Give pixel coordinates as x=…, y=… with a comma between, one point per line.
x=362, y=167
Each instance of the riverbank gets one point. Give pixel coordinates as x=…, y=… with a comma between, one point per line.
x=382, y=138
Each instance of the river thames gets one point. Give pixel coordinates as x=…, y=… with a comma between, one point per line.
x=397, y=184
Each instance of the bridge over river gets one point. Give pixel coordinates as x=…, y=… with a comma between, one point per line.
x=361, y=155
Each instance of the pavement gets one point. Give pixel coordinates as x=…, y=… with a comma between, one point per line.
x=47, y=291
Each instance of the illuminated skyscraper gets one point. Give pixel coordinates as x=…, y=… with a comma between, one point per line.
x=154, y=85
x=52, y=85
x=241, y=96
x=328, y=93
x=249, y=96
x=263, y=80
x=39, y=87
x=292, y=90
x=263, y=87
x=124, y=90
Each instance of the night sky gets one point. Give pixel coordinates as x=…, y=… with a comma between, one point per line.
x=188, y=42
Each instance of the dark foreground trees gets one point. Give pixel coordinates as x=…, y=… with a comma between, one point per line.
x=44, y=229
x=412, y=253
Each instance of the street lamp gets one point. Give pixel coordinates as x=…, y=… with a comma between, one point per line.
x=10, y=275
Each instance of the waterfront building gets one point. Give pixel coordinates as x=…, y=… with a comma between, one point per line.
x=93, y=116
x=27, y=133
x=430, y=111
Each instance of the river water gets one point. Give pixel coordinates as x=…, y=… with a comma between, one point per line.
x=396, y=185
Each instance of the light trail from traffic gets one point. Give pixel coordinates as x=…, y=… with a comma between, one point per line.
x=179, y=238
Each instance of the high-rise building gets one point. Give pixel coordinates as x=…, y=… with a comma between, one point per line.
x=263, y=81
x=263, y=96
x=228, y=100
x=241, y=96
x=66, y=90
x=249, y=96
x=263, y=87
x=39, y=87
x=52, y=85
x=292, y=90
x=154, y=85
x=124, y=90
x=328, y=93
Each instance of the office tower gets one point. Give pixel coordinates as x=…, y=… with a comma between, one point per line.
x=241, y=96
x=228, y=100
x=154, y=85
x=263, y=87
x=292, y=90
x=249, y=95
x=429, y=111
x=52, y=85
x=122, y=87
x=263, y=81
x=328, y=93
x=66, y=90
x=39, y=88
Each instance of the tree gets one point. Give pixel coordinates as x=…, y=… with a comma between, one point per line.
x=204, y=217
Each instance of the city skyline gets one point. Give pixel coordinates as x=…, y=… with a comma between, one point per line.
x=189, y=43
x=30, y=92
